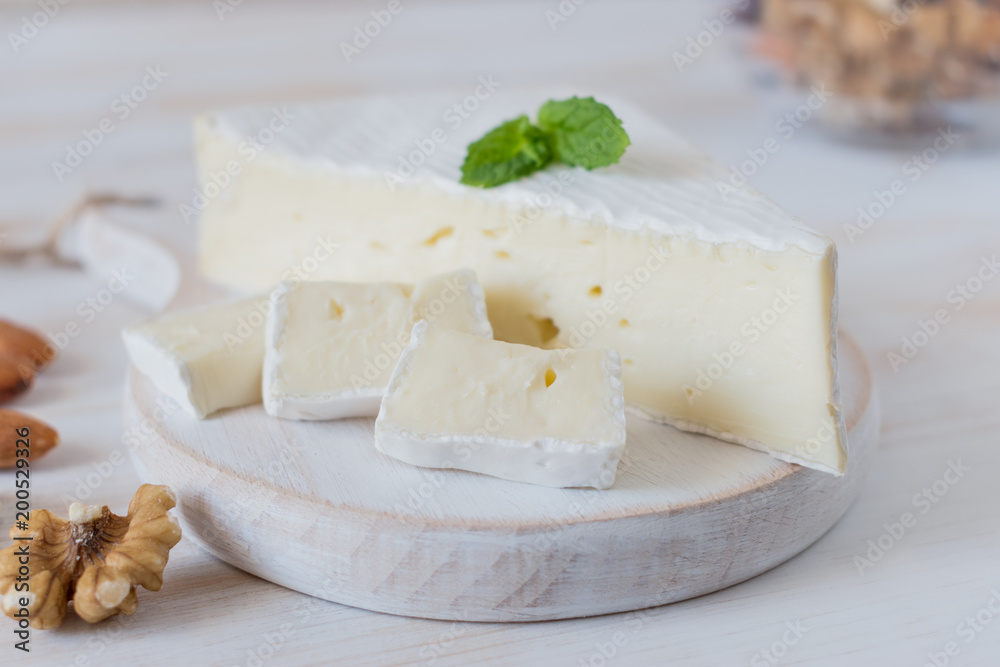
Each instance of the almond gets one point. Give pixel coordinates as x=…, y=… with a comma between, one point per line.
x=17, y=341
x=16, y=376
x=40, y=438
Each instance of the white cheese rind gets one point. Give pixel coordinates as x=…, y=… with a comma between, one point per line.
x=453, y=300
x=663, y=184
x=449, y=405
x=206, y=359
x=647, y=257
x=319, y=367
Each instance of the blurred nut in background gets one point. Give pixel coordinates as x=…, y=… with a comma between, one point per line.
x=892, y=58
x=18, y=341
x=42, y=438
x=22, y=353
x=16, y=377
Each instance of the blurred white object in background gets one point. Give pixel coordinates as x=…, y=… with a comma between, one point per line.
x=85, y=237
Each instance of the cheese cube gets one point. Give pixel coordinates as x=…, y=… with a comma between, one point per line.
x=331, y=347
x=206, y=358
x=554, y=418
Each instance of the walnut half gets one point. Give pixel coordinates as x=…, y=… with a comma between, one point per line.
x=96, y=559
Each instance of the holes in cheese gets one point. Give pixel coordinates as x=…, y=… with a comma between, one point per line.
x=454, y=392
x=331, y=346
x=547, y=329
x=442, y=233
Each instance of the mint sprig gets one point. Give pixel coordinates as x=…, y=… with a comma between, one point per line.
x=583, y=132
x=506, y=153
x=578, y=132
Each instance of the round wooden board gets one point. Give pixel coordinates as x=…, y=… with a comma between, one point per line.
x=312, y=506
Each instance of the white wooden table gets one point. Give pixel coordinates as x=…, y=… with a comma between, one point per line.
x=919, y=596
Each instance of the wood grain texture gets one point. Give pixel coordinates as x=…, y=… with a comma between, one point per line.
x=320, y=511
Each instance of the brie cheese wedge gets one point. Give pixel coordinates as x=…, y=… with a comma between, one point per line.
x=722, y=305
x=331, y=347
x=206, y=358
x=554, y=418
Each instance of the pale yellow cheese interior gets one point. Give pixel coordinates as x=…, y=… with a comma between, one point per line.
x=456, y=384
x=206, y=358
x=338, y=336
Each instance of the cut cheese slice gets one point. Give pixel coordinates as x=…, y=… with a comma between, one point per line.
x=554, y=418
x=722, y=305
x=206, y=358
x=331, y=347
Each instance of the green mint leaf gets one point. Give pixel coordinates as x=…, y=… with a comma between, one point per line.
x=583, y=132
x=506, y=153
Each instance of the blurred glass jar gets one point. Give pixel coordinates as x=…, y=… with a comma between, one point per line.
x=896, y=68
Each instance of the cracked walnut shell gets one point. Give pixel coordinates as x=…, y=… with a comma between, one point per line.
x=96, y=559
